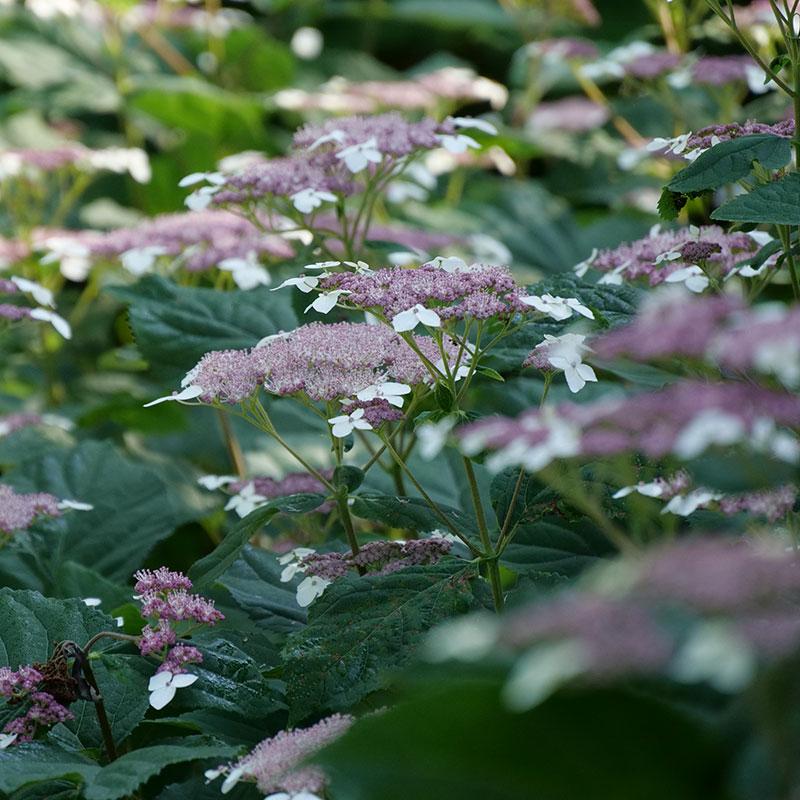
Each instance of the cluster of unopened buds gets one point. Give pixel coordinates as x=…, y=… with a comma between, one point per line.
x=167, y=605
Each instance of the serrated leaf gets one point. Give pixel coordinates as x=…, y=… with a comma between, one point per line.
x=532, y=497
x=208, y=569
x=175, y=326
x=776, y=203
x=123, y=776
x=134, y=507
x=348, y=476
x=730, y=161
x=363, y=626
x=33, y=762
x=670, y=205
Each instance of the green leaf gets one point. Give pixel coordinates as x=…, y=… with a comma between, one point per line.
x=122, y=777
x=208, y=569
x=135, y=506
x=730, y=161
x=455, y=740
x=363, y=626
x=254, y=581
x=349, y=477
x=777, y=203
x=670, y=204
x=33, y=762
x=410, y=513
x=176, y=325
x=556, y=544
x=533, y=498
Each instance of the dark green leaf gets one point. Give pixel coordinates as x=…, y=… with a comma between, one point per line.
x=208, y=569
x=37, y=761
x=363, y=626
x=777, y=203
x=730, y=161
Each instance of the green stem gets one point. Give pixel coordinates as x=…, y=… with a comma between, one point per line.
x=492, y=567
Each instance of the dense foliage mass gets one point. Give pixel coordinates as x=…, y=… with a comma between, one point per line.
x=388, y=415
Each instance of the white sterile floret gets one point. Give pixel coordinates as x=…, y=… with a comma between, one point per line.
x=685, y=504
x=309, y=589
x=7, y=739
x=566, y=353
x=248, y=273
x=245, y=501
x=305, y=283
x=307, y=200
x=674, y=145
x=473, y=122
x=654, y=489
x=191, y=392
x=337, y=136
x=582, y=267
x=432, y=437
x=389, y=391
x=326, y=301
x=163, y=685
x=358, y=156
x=38, y=292
x=58, y=322
x=709, y=427
x=92, y=602
x=345, y=424
x=323, y=265
x=409, y=319
x=457, y=143
x=214, y=482
x=72, y=256
x=291, y=562
x=75, y=505
x=558, y=308
x=141, y=260
x=692, y=277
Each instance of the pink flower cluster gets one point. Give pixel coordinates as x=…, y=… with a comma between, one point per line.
x=379, y=558
x=165, y=599
x=203, y=238
x=684, y=418
x=755, y=592
x=717, y=329
x=706, y=137
x=646, y=258
x=772, y=504
x=480, y=292
x=326, y=362
x=293, y=483
x=20, y=687
x=18, y=511
x=280, y=763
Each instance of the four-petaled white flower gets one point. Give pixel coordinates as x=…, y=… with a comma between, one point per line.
x=582, y=267
x=451, y=264
x=692, y=277
x=337, y=136
x=684, y=505
x=409, y=319
x=75, y=505
x=141, y=260
x=358, y=156
x=305, y=283
x=306, y=200
x=389, y=391
x=246, y=501
x=432, y=437
x=58, y=322
x=73, y=257
x=201, y=198
x=327, y=300
x=309, y=589
x=247, y=272
x=675, y=145
x=163, y=685
x=345, y=424
x=291, y=562
x=191, y=392
x=214, y=482
x=473, y=122
x=457, y=143
x=558, y=308
x=566, y=353
x=43, y=296
x=654, y=489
